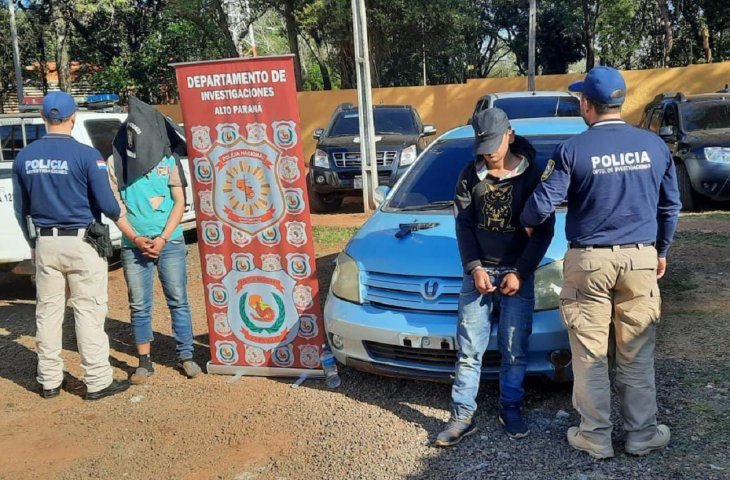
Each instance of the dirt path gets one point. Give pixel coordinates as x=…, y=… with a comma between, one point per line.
x=372, y=427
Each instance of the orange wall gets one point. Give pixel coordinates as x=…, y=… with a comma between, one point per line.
x=447, y=106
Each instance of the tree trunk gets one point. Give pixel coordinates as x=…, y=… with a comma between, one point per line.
x=590, y=14
x=222, y=21
x=60, y=28
x=705, y=35
x=668, y=35
x=292, y=35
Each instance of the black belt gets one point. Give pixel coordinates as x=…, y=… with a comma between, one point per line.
x=624, y=245
x=59, y=232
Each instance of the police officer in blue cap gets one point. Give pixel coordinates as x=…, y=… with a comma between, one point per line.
x=61, y=187
x=623, y=206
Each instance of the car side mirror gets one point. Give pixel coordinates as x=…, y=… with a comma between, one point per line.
x=318, y=133
x=428, y=130
x=666, y=132
x=381, y=193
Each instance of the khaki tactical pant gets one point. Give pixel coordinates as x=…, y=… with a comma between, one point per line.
x=70, y=263
x=616, y=285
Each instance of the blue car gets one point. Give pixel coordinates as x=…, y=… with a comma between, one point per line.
x=392, y=304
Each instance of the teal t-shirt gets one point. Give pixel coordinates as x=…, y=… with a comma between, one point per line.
x=149, y=200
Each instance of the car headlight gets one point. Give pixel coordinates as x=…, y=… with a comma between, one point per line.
x=548, y=283
x=320, y=159
x=408, y=155
x=717, y=154
x=346, y=279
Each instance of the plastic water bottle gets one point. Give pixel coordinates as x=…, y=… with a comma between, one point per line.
x=329, y=365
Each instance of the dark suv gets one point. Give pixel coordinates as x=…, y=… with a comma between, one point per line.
x=335, y=168
x=697, y=131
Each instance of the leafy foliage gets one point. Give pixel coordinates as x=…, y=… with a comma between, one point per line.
x=127, y=46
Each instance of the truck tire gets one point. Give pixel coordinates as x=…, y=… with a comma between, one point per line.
x=325, y=203
x=686, y=195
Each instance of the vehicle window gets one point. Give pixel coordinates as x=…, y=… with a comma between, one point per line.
x=656, y=120
x=433, y=177
x=12, y=138
x=670, y=116
x=539, y=107
x=706, y=115
x=102, y=132
x=386, y=120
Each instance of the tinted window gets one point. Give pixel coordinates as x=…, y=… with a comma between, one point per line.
x=386, y=120
x=433, y=178
x=656, y=120
x=539, y=107
x=12, y=138
x=102, y=133
x=706, y=115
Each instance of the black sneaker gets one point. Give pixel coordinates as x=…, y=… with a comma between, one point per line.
x=117, y=386
x=513, y=423
x=454, y=431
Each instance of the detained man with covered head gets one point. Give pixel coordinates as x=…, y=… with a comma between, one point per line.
x=499, y=261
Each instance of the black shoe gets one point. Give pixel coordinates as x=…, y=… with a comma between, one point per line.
x=513, y=423
x=117, y=386
x=454, y=431
x=52, y=392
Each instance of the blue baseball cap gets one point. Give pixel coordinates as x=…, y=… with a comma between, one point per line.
x=603, y=85
x=58, y=106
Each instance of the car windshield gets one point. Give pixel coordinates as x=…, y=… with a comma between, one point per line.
x=431, y=182
x=539, y=107
x=387, y=120
x=706, y=115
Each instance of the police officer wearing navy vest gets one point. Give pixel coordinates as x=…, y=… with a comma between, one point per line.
x=623, y=205
x=61, y=187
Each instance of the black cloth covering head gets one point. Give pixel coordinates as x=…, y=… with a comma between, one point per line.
x=143, y=140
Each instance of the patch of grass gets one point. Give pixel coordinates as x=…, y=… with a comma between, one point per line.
x=716, y=215
x=327, y=236
x=715, y=239
x=678, y=281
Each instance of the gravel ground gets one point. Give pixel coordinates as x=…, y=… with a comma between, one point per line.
x=370, y=428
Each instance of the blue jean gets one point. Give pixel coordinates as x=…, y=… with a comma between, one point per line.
x=476, y=314
x=171, y=268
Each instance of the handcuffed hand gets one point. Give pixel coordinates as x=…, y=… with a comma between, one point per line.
x=155, y=248
x=482, y=282
x=510, y=284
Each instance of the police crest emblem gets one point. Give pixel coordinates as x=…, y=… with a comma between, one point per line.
x=285, y=134
x=201, y=138
x=247, y=190
x=261, y=309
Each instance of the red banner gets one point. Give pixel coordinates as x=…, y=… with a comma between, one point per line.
x=254, y=231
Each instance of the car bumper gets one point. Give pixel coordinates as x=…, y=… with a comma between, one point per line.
x=710, y=179
x=373, y=339
x=327, y=181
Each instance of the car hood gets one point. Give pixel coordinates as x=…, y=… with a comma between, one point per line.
x=385, y=141
x=431, y=252
x=708, y=138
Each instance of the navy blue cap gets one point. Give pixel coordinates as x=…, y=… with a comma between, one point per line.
x=58, y=106
x=489, y=125
x=603, y=85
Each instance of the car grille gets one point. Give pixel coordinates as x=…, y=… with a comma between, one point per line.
x=424, y=356
x=352, y=159
x=407, y=292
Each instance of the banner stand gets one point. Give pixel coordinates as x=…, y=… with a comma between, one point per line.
x=217, y=369
x=255, y=236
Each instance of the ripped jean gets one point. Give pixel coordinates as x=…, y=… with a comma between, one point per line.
x=476, y=314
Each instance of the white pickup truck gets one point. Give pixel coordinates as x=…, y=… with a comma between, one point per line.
x=93, y=128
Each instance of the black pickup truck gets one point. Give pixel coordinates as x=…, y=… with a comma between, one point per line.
x=696, y=129
x=335, y=167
